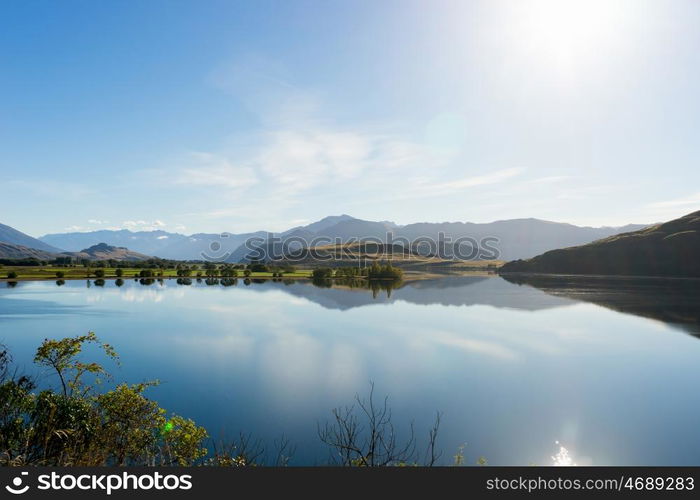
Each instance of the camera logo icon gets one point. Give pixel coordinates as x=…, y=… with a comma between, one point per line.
x=16, y=488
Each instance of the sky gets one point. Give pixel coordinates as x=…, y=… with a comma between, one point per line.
x=209, y=116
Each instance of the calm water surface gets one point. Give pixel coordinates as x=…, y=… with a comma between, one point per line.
x=610, y=368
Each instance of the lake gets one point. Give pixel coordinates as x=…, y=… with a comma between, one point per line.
x=610, y=368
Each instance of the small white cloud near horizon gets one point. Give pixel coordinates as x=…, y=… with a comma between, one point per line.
x=142, y=225
x=131, y=225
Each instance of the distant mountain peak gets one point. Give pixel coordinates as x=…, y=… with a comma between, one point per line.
x=326, y=222
x=337, y=218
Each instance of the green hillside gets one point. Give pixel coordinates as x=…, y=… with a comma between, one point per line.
x=669, y=249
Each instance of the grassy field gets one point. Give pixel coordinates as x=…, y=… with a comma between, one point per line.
x=414, y=269
x=350, y=254
x=49, y=273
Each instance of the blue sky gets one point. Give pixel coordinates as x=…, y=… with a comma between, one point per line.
x=233, y=116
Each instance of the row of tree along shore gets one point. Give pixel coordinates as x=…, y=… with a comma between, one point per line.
x=384, y=271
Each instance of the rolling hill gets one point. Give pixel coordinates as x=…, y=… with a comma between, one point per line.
x=668, y=249
x=103, y=251
x=15, y=252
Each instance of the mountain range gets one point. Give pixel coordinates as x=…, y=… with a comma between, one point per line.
x=517, y=238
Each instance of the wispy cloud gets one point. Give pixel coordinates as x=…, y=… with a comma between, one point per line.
x=288, y=161
x=671, y=209
x=686, y=201
x=294, y=161
x=213, y=170
x=586, y=192
x=421, y=187
x=300, y=160
x=287, y=166
x=443, y=188
x=265, y=87
x=551, y=179
x=298, y=155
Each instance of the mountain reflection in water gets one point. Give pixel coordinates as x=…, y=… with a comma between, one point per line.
x=673, y=301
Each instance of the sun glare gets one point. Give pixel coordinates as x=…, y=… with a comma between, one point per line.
x=566, y=33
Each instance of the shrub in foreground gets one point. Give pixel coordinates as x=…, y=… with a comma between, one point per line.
x=76, y=425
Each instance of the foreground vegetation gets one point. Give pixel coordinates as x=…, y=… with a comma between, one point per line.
x=76, y=424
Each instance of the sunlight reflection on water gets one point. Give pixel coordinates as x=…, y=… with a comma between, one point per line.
x=562, y=458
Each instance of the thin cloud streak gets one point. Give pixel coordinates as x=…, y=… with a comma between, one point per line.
x=679, y=202
x=212, y=170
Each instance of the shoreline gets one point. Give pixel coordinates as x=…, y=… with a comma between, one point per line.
x=408, y=276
